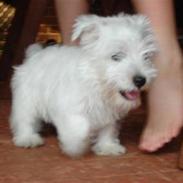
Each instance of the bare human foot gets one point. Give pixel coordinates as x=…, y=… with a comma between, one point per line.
x=165, y=104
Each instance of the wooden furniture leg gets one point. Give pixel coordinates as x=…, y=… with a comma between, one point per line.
x=22, y=33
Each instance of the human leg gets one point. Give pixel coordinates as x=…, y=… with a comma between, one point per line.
x=67, y=12
x=165, y=98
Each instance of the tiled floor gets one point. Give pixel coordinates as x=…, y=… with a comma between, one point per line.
x=48, y=164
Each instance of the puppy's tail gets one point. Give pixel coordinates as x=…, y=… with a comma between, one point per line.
x=33, y=49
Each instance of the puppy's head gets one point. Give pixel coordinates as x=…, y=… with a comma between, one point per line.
x=122, y=47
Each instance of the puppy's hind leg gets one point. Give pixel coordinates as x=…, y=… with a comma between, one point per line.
x=73, y=134
x=24, y=124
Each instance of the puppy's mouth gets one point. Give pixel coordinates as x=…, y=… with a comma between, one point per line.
x=130, y=95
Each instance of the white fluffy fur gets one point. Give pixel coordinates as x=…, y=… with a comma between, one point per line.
x=76, y=88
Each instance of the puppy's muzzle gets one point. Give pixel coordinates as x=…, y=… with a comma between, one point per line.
x=139, y=81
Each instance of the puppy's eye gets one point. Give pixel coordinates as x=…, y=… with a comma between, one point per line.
x=147, y=55
x=118, y=56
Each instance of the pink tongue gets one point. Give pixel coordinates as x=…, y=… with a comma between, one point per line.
x=132, y=95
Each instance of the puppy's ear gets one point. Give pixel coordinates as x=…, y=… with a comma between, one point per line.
x=143, y=22
x=86, y=29
x=144, y=25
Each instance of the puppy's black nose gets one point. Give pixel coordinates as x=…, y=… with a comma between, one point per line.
x=139, y=81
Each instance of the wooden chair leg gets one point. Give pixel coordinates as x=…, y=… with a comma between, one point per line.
x=25, y=29
x=31, y=26
x=180, y=158
x=12, y=38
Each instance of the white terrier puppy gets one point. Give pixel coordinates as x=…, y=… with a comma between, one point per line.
x=83, y=90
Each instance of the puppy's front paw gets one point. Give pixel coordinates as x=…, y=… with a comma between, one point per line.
x=28, y=141
x=113, y=149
